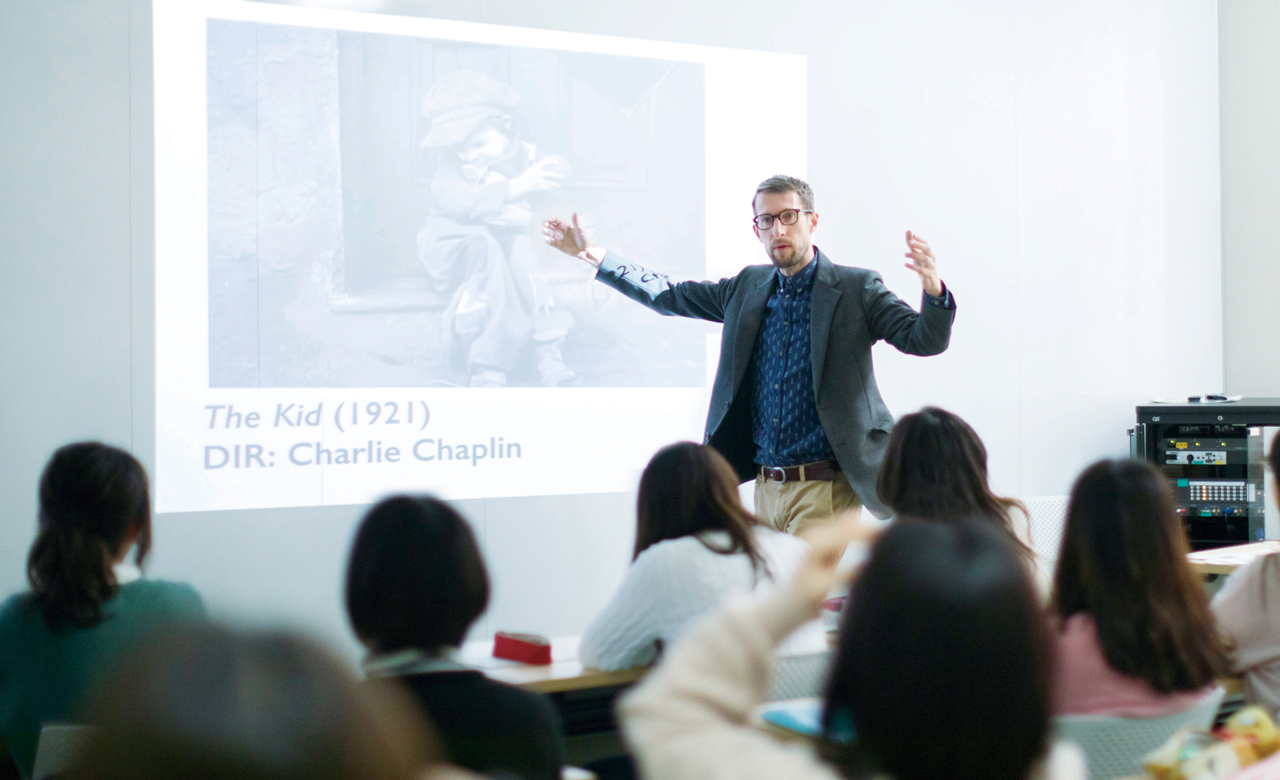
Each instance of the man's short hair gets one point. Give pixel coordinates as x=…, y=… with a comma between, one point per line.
x=779, y=184
x=415, y=578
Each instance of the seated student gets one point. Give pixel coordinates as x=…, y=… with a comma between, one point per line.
x=696, y=546
x=936, y=467
x=919, y=676
x=415, y=584
x=1248, y=613
x=85, y=606
x=211, y=704
x=1131, y=623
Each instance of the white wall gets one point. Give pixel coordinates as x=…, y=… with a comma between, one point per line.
x=65, y=285
x=1062, y=158
x=1249, y=42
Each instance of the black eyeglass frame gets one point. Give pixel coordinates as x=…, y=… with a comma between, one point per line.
x=772, y=217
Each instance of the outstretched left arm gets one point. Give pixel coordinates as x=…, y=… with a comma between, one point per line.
x=927, y=332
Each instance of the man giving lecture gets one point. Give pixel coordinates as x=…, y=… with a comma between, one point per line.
x=795, y=403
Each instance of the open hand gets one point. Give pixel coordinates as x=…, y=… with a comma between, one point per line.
x=572, y=240
x=924, y=263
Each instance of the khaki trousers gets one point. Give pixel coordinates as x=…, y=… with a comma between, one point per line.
x=794, y=506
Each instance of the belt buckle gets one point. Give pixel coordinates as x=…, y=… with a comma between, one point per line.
x=776, y=474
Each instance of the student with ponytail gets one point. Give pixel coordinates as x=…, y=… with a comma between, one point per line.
x=86, y=605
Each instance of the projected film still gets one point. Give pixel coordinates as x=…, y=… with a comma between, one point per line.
x=352, y=292
x=375, y=202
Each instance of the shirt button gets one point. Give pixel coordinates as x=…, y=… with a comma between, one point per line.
x=779, y=353
x=775, y=419
x=775, y=387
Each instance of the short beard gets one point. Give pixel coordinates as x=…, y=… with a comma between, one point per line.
x=792, y=263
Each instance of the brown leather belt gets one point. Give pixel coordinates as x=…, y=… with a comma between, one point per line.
x=823, y=470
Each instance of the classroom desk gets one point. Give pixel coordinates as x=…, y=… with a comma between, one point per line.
x=583, y=696
x=564, y=673
x=1224, y=560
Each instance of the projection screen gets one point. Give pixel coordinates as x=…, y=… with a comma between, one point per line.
x=352, y=295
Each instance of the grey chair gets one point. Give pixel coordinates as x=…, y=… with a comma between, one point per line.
x=799, y=676
x=1115, y=746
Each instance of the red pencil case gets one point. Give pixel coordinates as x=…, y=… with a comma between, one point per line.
x=525, y=648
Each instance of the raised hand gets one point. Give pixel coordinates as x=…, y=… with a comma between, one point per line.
x=572, y=240
x=924, y=263
x=821, y=571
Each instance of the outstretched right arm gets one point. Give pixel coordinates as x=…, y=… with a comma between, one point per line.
x=702, y=300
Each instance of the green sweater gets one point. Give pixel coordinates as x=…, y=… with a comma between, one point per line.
x=45, y=677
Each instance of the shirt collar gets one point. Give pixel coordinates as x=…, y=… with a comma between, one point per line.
x=412, y=661
x=803, y=279
x=126, y=573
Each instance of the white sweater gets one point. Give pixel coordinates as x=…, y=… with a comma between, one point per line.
x=677, y=581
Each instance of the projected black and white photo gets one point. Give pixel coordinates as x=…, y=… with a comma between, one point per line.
x=375, y=201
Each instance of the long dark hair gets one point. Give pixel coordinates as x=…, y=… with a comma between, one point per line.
x=935, y=468
x=1124, y=563
x=93, y=498
x=208, y=703
x=942, y=667
x=416, y=578
x=688, y=488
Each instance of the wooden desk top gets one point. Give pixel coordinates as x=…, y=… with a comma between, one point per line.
x=564, y=673
x=1225, y=560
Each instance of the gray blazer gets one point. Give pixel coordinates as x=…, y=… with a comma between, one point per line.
x=852, y=309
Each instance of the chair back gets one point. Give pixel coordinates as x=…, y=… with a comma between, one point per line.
x=59, y=749
x=1048, y=515
x=1115, y=746
x=799, y=676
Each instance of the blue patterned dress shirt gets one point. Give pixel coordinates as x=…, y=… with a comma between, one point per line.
x=785, y=425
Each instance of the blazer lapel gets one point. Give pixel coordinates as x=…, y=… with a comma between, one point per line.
x=822, y=310
x=748, y=326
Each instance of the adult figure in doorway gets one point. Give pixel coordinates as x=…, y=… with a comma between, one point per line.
x=795, y=404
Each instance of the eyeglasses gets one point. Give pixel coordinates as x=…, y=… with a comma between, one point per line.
x=786, y=217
